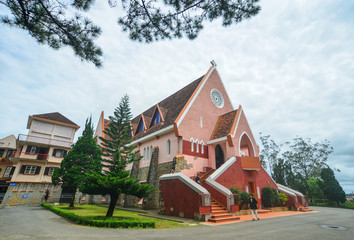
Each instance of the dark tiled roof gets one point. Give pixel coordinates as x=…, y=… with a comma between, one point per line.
x=223, y=125
x=170, y=109
x=55, y=116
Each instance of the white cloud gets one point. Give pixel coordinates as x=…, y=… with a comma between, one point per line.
x=290, y=67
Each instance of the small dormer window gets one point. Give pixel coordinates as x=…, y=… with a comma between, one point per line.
x=157, y=118
x=140, y=127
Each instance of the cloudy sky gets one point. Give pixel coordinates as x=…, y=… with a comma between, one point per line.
x=291, y=68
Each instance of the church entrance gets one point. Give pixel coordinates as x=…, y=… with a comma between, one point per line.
x=219, y=156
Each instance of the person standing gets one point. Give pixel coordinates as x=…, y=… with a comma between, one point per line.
x=253, y=206
x=197, y=178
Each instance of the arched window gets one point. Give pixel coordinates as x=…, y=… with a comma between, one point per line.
x=147, y=153
x=150, y=152
x=168, y=147
x=197, y=143
x=144, y=156
x=192, y=144
x=202, y=147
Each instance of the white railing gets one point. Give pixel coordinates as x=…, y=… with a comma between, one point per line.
x=217, y=186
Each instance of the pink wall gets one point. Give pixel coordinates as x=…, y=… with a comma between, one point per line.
x=203, y=107
x=242, y=128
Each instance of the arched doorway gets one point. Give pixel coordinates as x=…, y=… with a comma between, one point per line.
x=246, y=147
x=219, y=156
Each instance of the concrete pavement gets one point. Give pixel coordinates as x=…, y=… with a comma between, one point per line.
x=38, y=223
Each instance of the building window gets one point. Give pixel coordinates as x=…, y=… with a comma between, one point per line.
x=157, y=118
x=197, y=143
x=168, y=147
x=201, y=122
x=2, y=152
x=202, y=147
x=30, y=169
x=31, y=187
x=147, y=153
x=59, y=152
x=144, y=156
x=8, y=154
x=192, y=144
x=42, y=187
x=150, y=152
x=49, y=171
x=9, y=171
x=140, y=126
x=32, y=149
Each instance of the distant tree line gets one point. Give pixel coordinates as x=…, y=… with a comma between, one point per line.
x=302, y=165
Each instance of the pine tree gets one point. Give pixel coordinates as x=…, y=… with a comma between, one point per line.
x=48, y=22
x=115, y=180
x=84, y=157
x=331, y=188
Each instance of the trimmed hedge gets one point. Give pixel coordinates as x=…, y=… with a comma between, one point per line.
x=110, y=223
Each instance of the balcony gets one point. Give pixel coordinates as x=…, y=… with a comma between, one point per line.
x=28, y=155
x=44, y=140
x=250, y=163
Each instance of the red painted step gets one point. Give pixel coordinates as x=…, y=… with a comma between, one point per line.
x=220, y=214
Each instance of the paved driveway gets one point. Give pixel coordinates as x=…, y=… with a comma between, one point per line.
x=38, y=223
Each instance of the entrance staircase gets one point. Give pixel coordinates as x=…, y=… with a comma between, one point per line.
x=219, y=213
x=302, y=208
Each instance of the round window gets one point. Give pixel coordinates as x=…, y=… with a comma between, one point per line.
x=217, y=98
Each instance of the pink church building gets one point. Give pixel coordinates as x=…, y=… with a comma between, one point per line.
x=194, y=131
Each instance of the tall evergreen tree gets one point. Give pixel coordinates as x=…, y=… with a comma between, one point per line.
x=115, y=180
x=84, y=157
x=331, y=188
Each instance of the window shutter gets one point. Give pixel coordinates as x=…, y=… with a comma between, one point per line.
x=46, y=171
x=54, y=152
x=28, y=149
x=22, y=170
x=12, y=171
x=65, y=152
x=38, y=169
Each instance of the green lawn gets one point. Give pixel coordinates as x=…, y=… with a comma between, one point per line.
x=99, y=212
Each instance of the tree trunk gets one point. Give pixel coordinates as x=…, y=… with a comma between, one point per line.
x=72, y=200
x=112, y=204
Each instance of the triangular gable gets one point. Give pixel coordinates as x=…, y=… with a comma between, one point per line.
x=157, y=117
x=187, y=106
x=141, y=127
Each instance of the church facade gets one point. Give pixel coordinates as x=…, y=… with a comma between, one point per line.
x=195, y=131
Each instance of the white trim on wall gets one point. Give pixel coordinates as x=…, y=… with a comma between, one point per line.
x=194, y=97
x=239, y=143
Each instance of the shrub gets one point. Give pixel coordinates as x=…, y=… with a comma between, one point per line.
x=108, y=223
x=283, y=197
x=244, y=197
x=235, y=191
x=269, y=197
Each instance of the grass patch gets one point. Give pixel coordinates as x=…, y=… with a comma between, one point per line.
x=97, y=213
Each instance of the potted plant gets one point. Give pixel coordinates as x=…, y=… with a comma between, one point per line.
x=236, y=194
x=244, y=199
